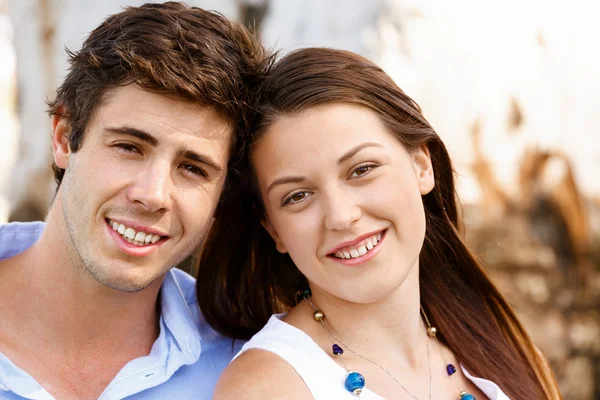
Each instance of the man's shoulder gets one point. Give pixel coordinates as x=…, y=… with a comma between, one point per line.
x=19, y=229
x=16, y=237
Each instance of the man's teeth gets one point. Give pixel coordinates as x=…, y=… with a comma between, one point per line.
x=130, y=235
x=360, y=249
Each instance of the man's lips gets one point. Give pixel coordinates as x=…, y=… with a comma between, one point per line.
x=132, y=247
x=140, y=237
x=138, y=227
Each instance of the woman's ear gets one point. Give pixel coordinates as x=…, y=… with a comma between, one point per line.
x=278, y=243
x=61, y=130
x=423, y=169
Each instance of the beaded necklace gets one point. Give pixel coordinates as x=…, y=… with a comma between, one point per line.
x=355, y=381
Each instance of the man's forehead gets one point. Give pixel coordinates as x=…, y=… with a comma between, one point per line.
x=160, y=114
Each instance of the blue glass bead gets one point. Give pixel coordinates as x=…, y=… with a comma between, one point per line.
x=467, y=396
x=355, y=382
x=450, y=369
x=337, y=350
x=306, y=293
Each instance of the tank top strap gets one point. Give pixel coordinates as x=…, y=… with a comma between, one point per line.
x=322, y=376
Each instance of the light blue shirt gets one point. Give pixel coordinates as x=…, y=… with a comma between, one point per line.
x=184, y=363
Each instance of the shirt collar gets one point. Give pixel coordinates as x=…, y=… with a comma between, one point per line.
x=180, y=320
x=179, y=342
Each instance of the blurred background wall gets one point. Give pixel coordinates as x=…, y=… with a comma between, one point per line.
x=510, y=86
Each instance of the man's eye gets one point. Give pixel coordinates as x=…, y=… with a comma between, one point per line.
x=362, y=170
x=295, y=198
x=195, y=170
x=127, y=148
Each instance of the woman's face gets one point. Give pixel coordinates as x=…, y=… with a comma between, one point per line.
x=343, y=198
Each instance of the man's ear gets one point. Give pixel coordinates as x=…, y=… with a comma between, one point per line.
x=61, y=130
x=278, y=243
x=423, y=169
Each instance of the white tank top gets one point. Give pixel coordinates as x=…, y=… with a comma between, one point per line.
x=322, y=375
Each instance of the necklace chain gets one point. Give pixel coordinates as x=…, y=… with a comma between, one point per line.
x=333, y=336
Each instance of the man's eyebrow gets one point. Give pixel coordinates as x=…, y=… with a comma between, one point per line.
x=285, y=179
x=129, y=131
x=188, y=154
x=350, y=153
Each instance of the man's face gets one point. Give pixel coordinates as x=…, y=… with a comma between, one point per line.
x=139, y=194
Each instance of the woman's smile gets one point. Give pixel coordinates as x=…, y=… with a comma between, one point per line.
x=359, y=250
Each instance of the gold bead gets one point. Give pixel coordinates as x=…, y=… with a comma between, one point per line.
x=461, y=394
x=357, y=391
x=432, y=331
x=318, y=315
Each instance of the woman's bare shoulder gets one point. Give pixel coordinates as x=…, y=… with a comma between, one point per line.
x=260, y=374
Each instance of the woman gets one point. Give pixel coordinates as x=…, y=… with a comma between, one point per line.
x=352, y=196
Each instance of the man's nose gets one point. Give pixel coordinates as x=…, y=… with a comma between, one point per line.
x=153, y=188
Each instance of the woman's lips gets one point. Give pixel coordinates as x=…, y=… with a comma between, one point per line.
x=361, y=258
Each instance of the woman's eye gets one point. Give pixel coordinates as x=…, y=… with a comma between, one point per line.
x=195, y=170
x=362, y=170
x=295, y=198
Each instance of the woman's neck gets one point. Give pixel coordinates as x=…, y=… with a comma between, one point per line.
x=390, y=328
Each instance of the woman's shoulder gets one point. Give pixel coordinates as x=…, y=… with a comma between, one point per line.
x=279, y=362
x=260, y=374
x=271, y=365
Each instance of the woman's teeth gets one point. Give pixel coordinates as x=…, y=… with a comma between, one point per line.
x=133, y=237
x=360, y=249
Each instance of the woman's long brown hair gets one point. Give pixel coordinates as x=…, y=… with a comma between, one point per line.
x=243, y=279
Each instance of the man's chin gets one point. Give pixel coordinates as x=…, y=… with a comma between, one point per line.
x=125, y=282
x=128, y=287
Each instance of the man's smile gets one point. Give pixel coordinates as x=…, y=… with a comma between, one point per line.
x=134, y=242
x=136, y=235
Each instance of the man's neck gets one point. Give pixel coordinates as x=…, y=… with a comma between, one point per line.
x=71, y=306
x=55, y=313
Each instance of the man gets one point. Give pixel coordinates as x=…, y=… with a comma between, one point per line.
x=144, y=126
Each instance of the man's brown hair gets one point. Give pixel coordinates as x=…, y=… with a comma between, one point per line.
x=171, y=49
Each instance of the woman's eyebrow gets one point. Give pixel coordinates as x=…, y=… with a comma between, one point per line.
x=285, y=179
x=352, y=152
